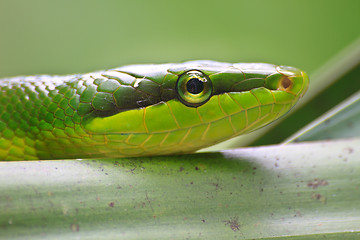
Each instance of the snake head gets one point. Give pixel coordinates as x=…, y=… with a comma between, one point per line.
x=178, y=108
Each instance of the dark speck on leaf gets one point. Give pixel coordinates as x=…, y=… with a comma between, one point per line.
x=233, y=223
x=316, y=196
x=319, y=197
x=317, y=183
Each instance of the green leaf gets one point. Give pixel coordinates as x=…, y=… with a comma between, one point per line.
x=340, y=122
x=261, y=192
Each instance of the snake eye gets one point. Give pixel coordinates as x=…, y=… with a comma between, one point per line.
x=194, y=88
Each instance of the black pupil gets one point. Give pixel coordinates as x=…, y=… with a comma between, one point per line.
x=195, y=86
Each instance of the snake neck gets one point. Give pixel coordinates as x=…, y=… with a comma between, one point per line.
x=41, y=117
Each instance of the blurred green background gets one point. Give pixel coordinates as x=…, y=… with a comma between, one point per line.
x=63, y=37
x=66, y=37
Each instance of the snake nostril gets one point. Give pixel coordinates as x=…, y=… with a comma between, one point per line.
x=285, y=83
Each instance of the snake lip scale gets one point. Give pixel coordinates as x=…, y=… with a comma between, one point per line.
x=142, y=110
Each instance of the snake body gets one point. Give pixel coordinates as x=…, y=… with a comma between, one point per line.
x=142, y=110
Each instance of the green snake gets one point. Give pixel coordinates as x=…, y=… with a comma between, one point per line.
x=142, y=110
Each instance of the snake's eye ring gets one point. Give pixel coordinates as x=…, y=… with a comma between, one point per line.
x=194, y=88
